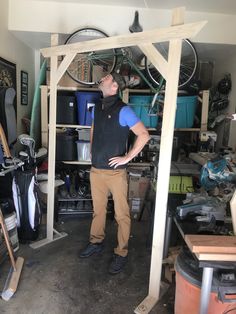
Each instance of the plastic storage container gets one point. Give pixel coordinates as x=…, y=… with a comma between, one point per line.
x=10, y=221
x=141, y=106
x=65, y=147
x=186, y=109
x=185, y=112
x=83, y=150
x=85, y=103
x=66, y=109
x=188, y=287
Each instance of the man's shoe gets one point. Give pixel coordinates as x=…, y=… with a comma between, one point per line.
x=117, y=264
x=92, y=248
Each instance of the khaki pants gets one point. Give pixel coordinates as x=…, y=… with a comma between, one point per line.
x=102, y=182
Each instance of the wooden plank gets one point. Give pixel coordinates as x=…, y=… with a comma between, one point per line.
x=151, y=36
x=44, y=116
x=40, y=243
x=146, y=305
x=216, y=257
x=164, y=165
x=205, y=108
x=125, y=96
x=155, y=58
x=52, y=148
x=211, y=244
x=64, y=65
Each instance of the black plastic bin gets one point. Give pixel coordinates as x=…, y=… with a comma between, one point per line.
x=66, y=109
x=66, y=148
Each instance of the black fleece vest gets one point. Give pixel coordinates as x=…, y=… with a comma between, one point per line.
x=109, y=137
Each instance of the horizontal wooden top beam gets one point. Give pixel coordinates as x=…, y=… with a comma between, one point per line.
x=151, y=36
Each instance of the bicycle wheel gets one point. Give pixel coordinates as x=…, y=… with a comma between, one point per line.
x=188, y=63
x=89, y=67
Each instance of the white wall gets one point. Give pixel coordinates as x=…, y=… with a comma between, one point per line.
x=17, y=52
x=228, y=65
x=41, y=16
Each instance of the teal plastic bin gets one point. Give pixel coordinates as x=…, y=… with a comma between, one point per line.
x=185, y=113
x=141, y=106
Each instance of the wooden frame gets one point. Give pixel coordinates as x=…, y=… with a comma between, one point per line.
x=170, y=71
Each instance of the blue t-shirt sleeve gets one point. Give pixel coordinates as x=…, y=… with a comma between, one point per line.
x=128, y=117
x=92, y=113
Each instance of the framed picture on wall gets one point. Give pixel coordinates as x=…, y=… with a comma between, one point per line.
x=8, y=75
x=24, y=88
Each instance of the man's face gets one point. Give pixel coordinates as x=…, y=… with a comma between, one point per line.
x=108, y=86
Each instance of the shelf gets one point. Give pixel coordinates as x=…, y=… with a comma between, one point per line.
x=188, y=130
x=75, y=88
x=77, y=162
x=77, y=126
x=73, y=199
x=74, y=212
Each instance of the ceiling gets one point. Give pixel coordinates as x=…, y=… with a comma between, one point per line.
x=211, y=6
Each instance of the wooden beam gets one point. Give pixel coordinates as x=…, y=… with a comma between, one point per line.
x=216, y=257
x=155, y=58
x=151, y=36
x=64, y=65
x=205, y=109
x=52, y=148
x=164, y=165
x=146, y=306
x=44, y=115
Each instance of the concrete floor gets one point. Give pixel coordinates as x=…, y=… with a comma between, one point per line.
x=55, y=280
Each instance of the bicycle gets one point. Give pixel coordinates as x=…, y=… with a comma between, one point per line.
x=88, y=68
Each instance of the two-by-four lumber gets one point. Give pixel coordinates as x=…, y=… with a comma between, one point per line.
x=212, y=244
x=147, y=37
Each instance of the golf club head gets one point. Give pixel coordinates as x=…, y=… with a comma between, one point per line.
x=28, y=141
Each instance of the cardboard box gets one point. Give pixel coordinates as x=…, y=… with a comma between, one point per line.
x=138, y=186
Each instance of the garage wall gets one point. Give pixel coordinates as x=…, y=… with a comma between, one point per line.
x=228, y=65
x=41, y=16
x=17, y=52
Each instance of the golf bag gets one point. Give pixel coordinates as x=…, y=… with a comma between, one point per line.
x=27, y=205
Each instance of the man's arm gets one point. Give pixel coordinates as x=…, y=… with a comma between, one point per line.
x=142, y=138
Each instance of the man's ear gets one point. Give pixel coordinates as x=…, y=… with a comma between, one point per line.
x=115, y=86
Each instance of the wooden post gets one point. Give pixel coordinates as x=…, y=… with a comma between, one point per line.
x=205, y=108
x=44, y=115
x=167, y=134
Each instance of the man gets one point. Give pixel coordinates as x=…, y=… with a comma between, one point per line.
x=109, y=134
